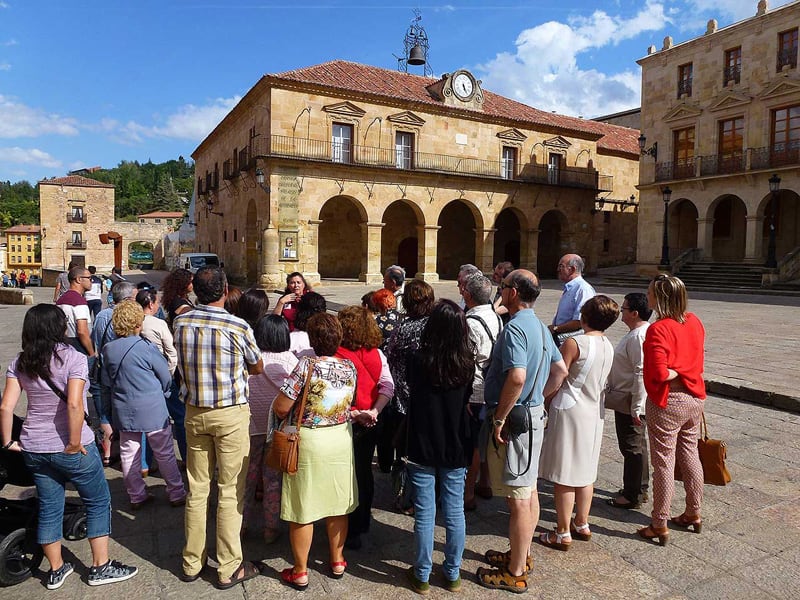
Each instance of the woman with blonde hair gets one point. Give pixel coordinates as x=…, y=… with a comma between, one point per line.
x=673, y=377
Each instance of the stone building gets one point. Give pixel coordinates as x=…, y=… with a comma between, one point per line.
x=720, y=117
x=162, y=217
x=341, y=169
x=77, y=225
x=22, y=245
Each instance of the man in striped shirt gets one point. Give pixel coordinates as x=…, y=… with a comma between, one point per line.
x=216, y=353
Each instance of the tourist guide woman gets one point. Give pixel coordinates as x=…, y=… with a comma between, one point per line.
x=296, y=286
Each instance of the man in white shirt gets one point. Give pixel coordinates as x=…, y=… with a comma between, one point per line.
x=626, y=396
x=484, y=327
x=577, y=291
x=394, y=280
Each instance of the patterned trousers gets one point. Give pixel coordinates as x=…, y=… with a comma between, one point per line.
x=673, y=433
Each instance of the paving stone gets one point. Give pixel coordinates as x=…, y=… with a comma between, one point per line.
x=727, y=587
x=722, y=551
x=770, y=575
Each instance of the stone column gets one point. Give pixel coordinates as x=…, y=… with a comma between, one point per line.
x=705, y=236
x=313, y=277
x=427, y=236
x=754, y=236
x=371, y=265
x=484, y=249
x=271, y=277
x=529, y=250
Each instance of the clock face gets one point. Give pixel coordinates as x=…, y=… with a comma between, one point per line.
x=463, y=86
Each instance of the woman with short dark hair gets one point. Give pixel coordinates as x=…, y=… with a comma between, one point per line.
x=324, y=486
x=296, y=286
x=309, y=305
x=571, y=448
x=253, y=305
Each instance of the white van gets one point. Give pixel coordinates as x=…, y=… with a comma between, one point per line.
x=195, y=260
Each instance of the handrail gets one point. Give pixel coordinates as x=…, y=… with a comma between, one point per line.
x=687, y=256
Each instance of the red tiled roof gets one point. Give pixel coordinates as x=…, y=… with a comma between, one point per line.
x=24, y=229
x=355, y=77
x=75, y=180
x=161, y=214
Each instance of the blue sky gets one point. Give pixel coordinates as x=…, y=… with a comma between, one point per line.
x=91, y=82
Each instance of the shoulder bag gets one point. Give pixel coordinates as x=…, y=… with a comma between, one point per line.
x=284, y=450
x=712, y=456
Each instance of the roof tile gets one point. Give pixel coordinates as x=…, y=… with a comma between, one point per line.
x=76, y=180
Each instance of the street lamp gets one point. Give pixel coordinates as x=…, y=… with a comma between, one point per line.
x=774, y=188
x=666, y=193
x=651, y=151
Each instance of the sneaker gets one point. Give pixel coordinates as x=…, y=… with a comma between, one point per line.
x=111, y=572
x=454, y=585
x=55, y=579
x=421, y=587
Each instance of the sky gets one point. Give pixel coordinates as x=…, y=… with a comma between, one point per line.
x=96, y=82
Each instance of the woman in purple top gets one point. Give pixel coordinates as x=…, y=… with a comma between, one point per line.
x=56, y=444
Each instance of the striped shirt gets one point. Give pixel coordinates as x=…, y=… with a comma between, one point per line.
x=213, y=347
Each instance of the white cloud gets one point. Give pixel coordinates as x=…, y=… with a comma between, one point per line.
x=189, y=122
x=18, y=120
x=4, y=5
x=11, y=42
x=544, y=71
x=29, y=156
x=4, y=66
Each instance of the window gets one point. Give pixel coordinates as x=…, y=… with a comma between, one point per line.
x=158, y=220
x=342, y=143
x=77, y=214
x=235, y=235
x=685, y=80
x=224, y=237
x=13, y=248
x=731, y=145
x=785, y=136
x=404, y=149
x=77, y=237
x=509, y=162
x=141, y=220
x=553, y=166
x=30, y=249
x=787, y=49
x=169, y=221
x=733, y=66
x=683, y=149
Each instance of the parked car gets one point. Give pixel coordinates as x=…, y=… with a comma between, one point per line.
x=34, y=280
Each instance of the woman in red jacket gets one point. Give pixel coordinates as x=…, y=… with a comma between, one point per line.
x=374, y=388
x=673, y=378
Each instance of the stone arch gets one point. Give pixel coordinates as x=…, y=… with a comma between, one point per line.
x=251, y=240
x=509, y=225
x=729, y=228
x=456, y=239
x=342, y=246
x=682, y=226
x=553, y=243
x=787, y=222
x=400, y=236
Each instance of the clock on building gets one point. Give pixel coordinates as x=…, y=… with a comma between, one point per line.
x=463, y=85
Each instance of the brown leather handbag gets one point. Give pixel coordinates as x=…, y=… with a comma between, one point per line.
x=712, y=456
x=284, y=450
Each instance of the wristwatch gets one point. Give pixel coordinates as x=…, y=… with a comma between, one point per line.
x=8, y=445
x=499, y=422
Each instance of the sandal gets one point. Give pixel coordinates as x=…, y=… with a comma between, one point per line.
x=501, y=559
x=335, y=573
x=290, y=577
x=581, y=532
x=686, y=522
x=245, y=571
x=501, y=579
x=557, y=542
x=652, y=533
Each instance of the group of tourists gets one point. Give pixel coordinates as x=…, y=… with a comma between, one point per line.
x=461, y=401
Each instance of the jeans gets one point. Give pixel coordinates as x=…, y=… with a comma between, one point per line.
x=632, y=442
x=51, y=471
x=177, y=412
x=451, y=488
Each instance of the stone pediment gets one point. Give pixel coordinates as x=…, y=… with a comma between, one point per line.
x=558, y=142
x=406, y=118
x=729, y=100
x=682, y=111
x=780, y=88
x=345, y=109
x=514, y=135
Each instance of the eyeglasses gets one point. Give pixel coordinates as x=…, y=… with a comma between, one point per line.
x=624, y=308
x=506, y=286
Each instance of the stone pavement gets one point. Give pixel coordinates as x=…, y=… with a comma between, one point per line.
x=749, y=548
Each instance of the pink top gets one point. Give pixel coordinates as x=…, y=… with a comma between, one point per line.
x=264, y=388
x=46, y=427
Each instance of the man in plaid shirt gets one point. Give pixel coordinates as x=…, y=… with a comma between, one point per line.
x=216, y=353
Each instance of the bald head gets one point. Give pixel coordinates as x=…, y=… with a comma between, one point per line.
x=569, y=267
x=519, y=290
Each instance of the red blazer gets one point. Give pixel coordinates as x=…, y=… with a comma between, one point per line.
x=368, y=366
x=677, y=346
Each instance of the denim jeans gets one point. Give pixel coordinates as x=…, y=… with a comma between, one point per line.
x=51, y=471
x=177, y=411
x=451, y=489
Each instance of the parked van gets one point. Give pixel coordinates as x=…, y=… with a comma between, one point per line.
x=195, y=260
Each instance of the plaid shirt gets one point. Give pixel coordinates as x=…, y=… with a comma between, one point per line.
x=213, y=347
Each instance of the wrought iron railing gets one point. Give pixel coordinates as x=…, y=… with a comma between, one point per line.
x=716, y=164
x=76, y=245
x=731, y=73
x=685, y=87
x=76, y=218
x=681, y=169
x=777, y=155
x=787, y=57
x=353, y=154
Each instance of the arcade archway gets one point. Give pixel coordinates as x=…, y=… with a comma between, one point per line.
x=552, y=229
x=456, y=240
x=399, y=237
x=342, y=248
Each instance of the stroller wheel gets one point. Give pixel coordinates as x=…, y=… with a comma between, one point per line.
x=19, y=557
x=77, y=529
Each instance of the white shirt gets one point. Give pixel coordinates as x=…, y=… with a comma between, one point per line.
x=483, y=343
x=157, y=331
x=627, y=370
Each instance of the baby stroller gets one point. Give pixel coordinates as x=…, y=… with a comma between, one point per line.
x=20, y=555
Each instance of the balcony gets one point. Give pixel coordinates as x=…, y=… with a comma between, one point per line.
x=76, y=245
x=389, y=158
x=76, y=217
x=752, y=159
x=685, y=87
x=731, y=73
x=787, y=58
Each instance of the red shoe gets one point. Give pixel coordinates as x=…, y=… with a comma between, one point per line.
x=290, y=577
x=335, y=566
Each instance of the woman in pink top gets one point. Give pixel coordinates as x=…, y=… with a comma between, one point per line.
x=262, y=496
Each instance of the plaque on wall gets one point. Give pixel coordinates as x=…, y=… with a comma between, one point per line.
x=287, y=244
x=288, y=201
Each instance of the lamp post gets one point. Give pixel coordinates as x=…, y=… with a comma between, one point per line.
x=774, y=188
x=666, y=193
x=651, y=151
